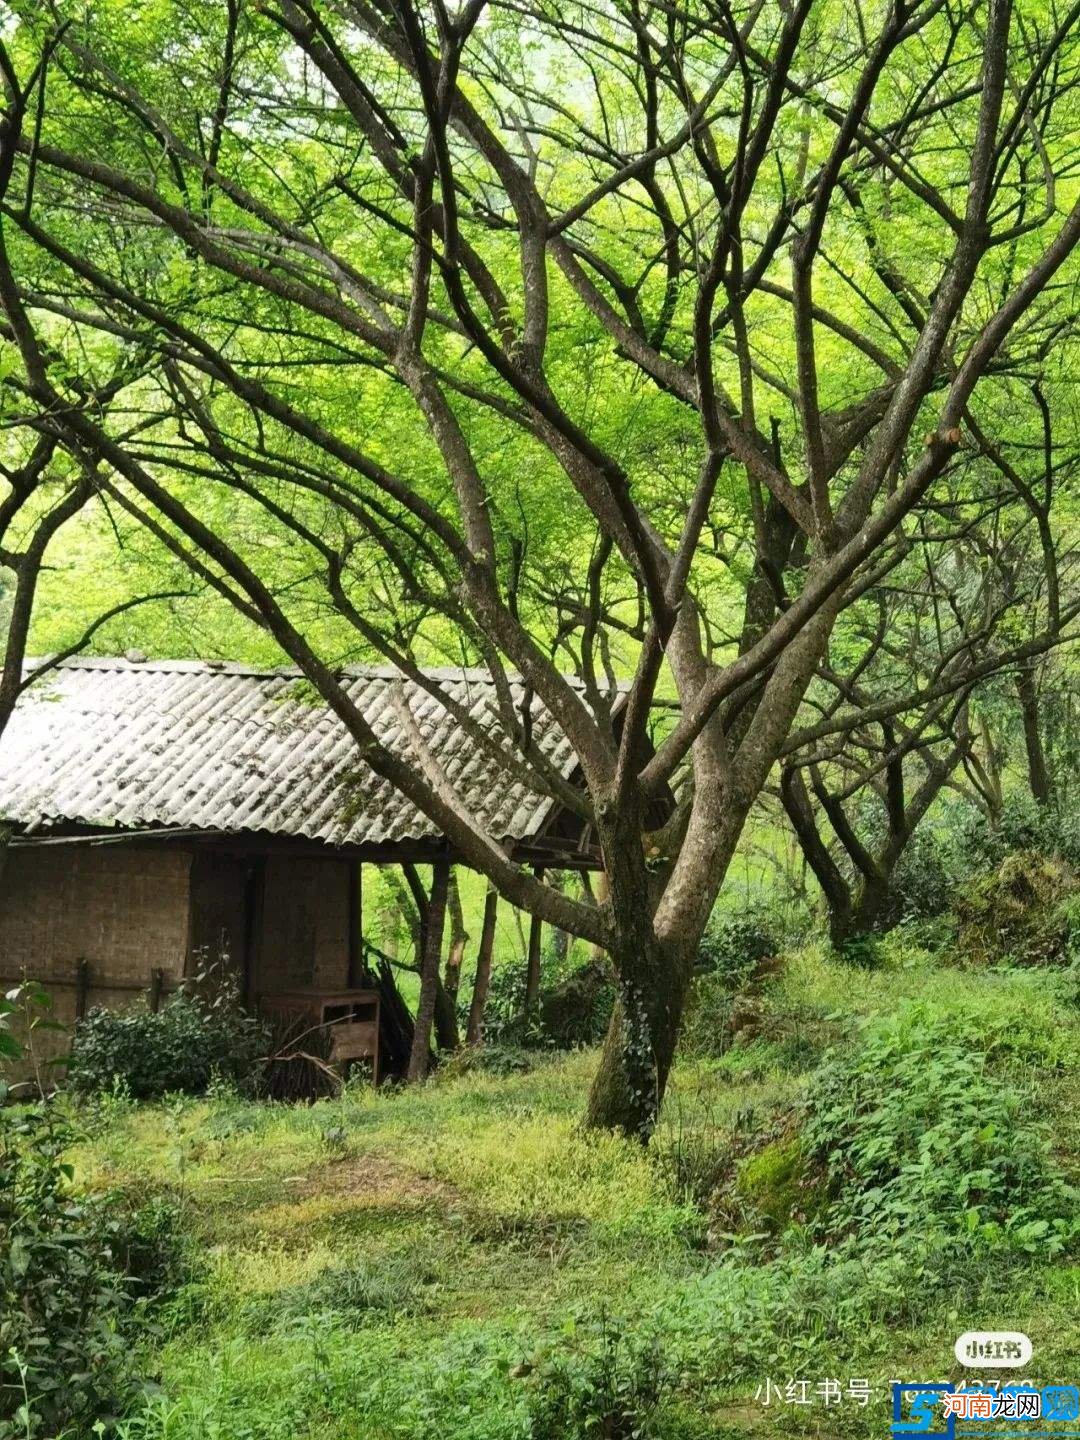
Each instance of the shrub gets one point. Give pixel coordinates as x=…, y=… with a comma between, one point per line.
x=66, y=1307
x=181, y=1047
x=574, y=1006
x=604, y=1380
x=864, y=951
x=924, y=878
x=914, y=1135
x=1023, y=825
x=734, y=946
x=486, y=1060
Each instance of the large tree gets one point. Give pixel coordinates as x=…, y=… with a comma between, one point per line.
x=608, y=339
x=987, y=592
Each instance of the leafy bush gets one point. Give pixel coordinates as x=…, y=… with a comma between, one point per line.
x=25, y=1010
x=67, y=1307
x=924, y=879
x=574, y=1006
x=915, y=1135
x=1023, y=825
x=733, y=946
x=862, y=950
x=487, y=1060
x=181, y=1047
x=604, y=1380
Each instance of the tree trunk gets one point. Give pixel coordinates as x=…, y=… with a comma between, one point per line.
x=459, y=937
x=871, y=904
x=447, y=1036
x=532, y=966
x=1038, y=772
x=653, y=983
x=834, y=887
x=653, y=979
x=475, y=1030
x=429, y=970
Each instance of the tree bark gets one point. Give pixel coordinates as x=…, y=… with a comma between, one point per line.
x=447, y=1036
x=532, y=966
x=653, y=979
x=653, y=983
x=834, y=886
x=459, y=937
x=1038, y=771
x=429, y=970
x=474, y=1032
x=871, y=903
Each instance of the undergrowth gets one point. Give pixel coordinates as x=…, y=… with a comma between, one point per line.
x=886, y=1160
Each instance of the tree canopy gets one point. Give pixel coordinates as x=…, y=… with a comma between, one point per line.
x=718, y=351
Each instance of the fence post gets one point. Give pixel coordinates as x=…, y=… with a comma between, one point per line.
x=157, y=983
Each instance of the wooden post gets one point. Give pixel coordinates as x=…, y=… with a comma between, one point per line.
x=157, y=984
x=532, y=972
x=475, y=1029
x=355, y=961
x=429, y=969
x=82, y=988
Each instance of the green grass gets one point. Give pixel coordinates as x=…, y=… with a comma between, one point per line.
x=407, y=1264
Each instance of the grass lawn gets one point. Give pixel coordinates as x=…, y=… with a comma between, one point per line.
x=457, y=1259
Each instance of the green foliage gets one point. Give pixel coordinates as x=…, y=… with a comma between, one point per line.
x=777, y=1185
x=71, y=1270
x=10, y=1049
x=694, y=1157
x=916, y=1136
x=180, y=1048
x=25, y=1008
x=471, y=1219
x=487, y=1059
x=732, y=970
x=1052, y=830
x=924, y=879
x=765, y=1026
x=733, y=946
x=350, y=1294
x=601, y=1381
x=574, y=1006
x=865, y=951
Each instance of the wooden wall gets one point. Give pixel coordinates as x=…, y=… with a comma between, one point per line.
x=128, y=911
x=122, y=910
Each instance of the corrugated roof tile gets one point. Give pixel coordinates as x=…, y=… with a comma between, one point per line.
x=151, y=744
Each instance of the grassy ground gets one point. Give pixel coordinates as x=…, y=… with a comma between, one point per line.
x=458, y=1260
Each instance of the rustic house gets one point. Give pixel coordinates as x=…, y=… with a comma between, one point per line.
x=162, y=811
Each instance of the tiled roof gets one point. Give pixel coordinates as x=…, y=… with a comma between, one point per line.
x=203, y=746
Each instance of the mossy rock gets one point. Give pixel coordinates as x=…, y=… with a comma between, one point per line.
x=1019, y=913
x=778, y=1186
